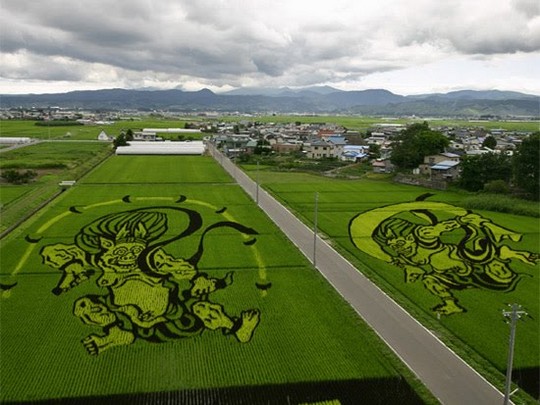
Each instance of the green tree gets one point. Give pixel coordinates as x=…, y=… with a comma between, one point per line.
x=263, y=148
x=129, y=135
x=477, y=171
x=489, y=142
x=16, y=177
x=415, y=143
x=526, y=162
x=120, y=140
x=374, y=151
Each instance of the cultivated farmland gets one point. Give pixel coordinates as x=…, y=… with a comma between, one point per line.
x=53, y=162
x=158, y=277
x=28, y=128
x=462, y=304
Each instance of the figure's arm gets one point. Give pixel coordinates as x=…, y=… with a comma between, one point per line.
x=71, y=261
x=178, y=268
x=430, y=232
x=60, y=255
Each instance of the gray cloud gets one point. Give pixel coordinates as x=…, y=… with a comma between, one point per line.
x=238, y=41
x=530, y=8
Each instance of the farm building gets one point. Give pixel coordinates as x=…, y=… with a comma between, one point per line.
x=162, y=148
x=172, y=130
x=354, y=153
x=431, y=160
x=103, y=136
x=14, y=140
x=382, y=166
x=152, y=134
x=445, y=170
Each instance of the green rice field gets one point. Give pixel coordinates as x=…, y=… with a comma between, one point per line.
x=158, y=279
x=28, y=128
x=86, y=307
x=52, y=155
x=53, y=162
x=476, y=329
x=362, y=123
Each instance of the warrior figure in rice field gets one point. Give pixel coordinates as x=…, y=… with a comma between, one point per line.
x=151, y=295
x=462, y=251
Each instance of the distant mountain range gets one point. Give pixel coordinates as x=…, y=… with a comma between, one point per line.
x=310, y=100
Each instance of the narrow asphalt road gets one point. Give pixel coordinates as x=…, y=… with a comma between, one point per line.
x=445, y=374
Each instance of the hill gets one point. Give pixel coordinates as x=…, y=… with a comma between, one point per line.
x=285, y=100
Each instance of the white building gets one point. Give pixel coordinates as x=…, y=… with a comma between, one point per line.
x=162, y=148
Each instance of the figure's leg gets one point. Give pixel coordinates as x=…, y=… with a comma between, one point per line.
x=95, y=344
x=92, y=311
x=500, y=272
x=249, y=321
x=214, y=317
x=449, y=302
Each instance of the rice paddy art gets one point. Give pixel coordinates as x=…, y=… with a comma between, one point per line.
x=445, y=247
x=146, y=293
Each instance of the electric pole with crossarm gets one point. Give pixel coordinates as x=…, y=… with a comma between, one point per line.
x=514, y=314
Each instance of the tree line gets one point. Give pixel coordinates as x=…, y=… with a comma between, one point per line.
x=518, y=173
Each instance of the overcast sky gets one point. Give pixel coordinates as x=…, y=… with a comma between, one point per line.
x=408, y=47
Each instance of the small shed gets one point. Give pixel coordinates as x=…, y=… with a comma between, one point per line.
x=382, y=166
x=103, y=136
x=445, y=170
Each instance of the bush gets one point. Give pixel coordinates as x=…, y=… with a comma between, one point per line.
x=502, y=203
x=16, y=177
x=497, y=187
x=57, y=123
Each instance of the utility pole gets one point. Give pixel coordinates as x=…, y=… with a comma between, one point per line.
x=315, y=230
x=514, y=314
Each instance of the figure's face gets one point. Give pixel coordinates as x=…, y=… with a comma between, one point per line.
x=121, y=257
x=93, y=313
x=404, y=246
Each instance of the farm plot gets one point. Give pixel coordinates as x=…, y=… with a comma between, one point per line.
x=52, y=162
x=52, y=155
x=28, y=128
x=181, y=291
x=455, y=270
x=166, y=169
x=9, y=194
